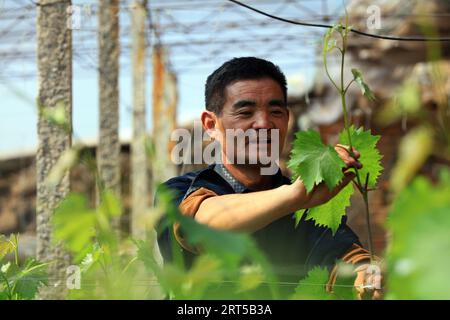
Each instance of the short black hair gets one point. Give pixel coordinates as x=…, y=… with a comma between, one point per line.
x=243, y=68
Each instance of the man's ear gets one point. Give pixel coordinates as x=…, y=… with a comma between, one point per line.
x=210, y=123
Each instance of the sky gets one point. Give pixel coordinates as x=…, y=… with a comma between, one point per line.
x=18, y=117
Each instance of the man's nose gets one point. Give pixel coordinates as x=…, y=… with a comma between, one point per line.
x=263, y=121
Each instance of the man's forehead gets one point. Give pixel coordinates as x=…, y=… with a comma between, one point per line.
x=250, y=87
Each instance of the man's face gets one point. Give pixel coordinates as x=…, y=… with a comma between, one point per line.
x=253, y=104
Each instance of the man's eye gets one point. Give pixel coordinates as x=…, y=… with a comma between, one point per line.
x=245, y=113
x=277, y=112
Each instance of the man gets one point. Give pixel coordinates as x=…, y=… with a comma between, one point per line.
x=250, y=94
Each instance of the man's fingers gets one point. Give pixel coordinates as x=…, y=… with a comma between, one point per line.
x=342, y=150
x=345, y=147
x=352, y=164
x=356, y=153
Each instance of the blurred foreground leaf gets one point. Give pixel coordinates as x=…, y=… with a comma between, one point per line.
x=414, y=150
x=418, y=256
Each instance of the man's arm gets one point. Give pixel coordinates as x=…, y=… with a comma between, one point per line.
x=252, y=211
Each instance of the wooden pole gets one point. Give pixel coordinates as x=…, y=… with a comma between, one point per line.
x=139, y=166
x=54, y=57
x=108, y=150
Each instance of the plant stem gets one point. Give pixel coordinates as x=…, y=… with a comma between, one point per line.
x=342, y=92
x=328, y=73
x=8, y=287
x=369, y=228
x=362, y=188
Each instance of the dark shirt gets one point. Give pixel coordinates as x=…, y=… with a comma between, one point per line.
x=292, y=251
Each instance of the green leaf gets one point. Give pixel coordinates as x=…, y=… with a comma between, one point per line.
x=251, y=277
x=366, y=144
x=417, y=257
x=329, y=43
x=415, y=148
x=313, y=287
x=343, y=288
x=5, y=267
x=91, y=258
x=56, y=115
x=365, y=90
x=330, y=214
x=30, y=279
x=145, y=254
x=314, y=162
x=298, y=216
x=74, y=224
x=231, y=247
x=6, y=246
x=64, y=163
x=110, y=204
x=406, y=102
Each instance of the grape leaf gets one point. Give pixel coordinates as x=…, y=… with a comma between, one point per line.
x=110, y=204
x=343, y=288
x=74, y=224
x=365, y=90
x=28, y=281
x=329, y=43
x=6, y=246
x=330, y=214
x=370, y=158
x=314, y=161
x=415, y=148
x=417, y=256
x=313, y=286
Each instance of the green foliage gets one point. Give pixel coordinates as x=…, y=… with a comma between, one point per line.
x=205, y=273
x=314, y=162
x=330, y=43
x=405, y=103
x=108, y=264
x=238, y=245
x=17, y=281
x=313, y=286
x=74, y=224
x=56, y=115
x=343, y=288
x=365, y=90
x=418, y=253
x=229, y=266
x=370, y=158
x=27, y=280
x=77, y=225
x=236, y=264
x=330, y=214
x=64, y=163
x=6, y=245
x=415, y=148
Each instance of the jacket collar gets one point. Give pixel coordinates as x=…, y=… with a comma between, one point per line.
x=277, y=180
